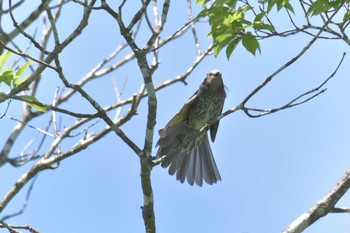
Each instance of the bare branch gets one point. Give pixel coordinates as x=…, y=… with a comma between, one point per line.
x=290, y=62
x=8, y=227
x=339, y=210
x=190, y=17
x=24, y=227
x=20, y=27
x=30, y=126
x=101, y=112
x=322, y=207
x=41, y=165
x=138, y=15
x=59, y=47
x=97, y=71
x=21, y=211
x=20, y=53
x=52, y=22
x=296, y=101
x=13, y=137
x=33, y=41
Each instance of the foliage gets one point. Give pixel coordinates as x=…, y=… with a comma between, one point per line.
x=12, y=77
x=233, y=22
x=320, y=6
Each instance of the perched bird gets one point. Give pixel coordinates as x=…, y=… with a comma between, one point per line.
x=184, y=144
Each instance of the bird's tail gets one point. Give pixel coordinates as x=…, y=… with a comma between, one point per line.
x=189, y=156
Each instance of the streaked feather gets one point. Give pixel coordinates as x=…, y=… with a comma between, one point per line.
x=185, y=148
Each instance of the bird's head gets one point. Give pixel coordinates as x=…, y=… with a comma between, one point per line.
x=214, y=79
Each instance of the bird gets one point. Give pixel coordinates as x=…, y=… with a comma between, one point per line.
x=183, y=143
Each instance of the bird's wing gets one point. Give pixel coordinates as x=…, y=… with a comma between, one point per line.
x=182, y=115
x=214, y=128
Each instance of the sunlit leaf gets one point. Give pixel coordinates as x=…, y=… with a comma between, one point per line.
x=7, y=76
x=220, y=2
x=262, y=26
x=284, y=4
x=232, y=3
x=259, y=16
x=346, y=16
x=23, y=68
x=250, y=43
x=32, y=99
x=18, y=81
x=289, y=7
x=270, y=5
x=231, y=47
x=4, y=57
x=318, y=7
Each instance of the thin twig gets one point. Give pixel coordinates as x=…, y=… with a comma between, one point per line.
x=296, y=101
x=24, y=206
x=194, y=32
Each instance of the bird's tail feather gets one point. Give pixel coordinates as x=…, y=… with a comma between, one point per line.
x=188, y=154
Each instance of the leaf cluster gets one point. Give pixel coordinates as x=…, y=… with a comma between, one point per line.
x=229, y=27
x=12, y=77
x=320, y=6
x=233, y=22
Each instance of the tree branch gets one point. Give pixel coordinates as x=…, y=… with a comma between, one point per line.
x=296, y=101
x=322, y=207
x=101, y=112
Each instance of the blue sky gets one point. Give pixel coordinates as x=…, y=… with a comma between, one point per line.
x=273, y=168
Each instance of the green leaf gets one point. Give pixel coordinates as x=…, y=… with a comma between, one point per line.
x=39, y=108
x=262, y=26
x=318, y=7
x=203, y=13
x=270, y=5
x=346, y=16
x=250, y=43
x=221, y=41
x=219, y=46
x=200, y=2
x=223, y=37
x=284, y=4
x=233, y=44
x=218, y=14
x=289, y=7
x=335, y=3
x=7, y=76
x=232, y=3
x=259, y=16
x=220, y=2
x=280, y=4
x=18, y=81
x=4, y=57
x=23, y=68
x=217, y=49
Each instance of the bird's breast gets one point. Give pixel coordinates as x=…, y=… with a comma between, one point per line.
x=206, y=108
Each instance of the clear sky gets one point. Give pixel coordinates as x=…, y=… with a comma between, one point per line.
x=273, y=168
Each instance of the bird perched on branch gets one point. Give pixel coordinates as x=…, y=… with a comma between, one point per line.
x=184, y=145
